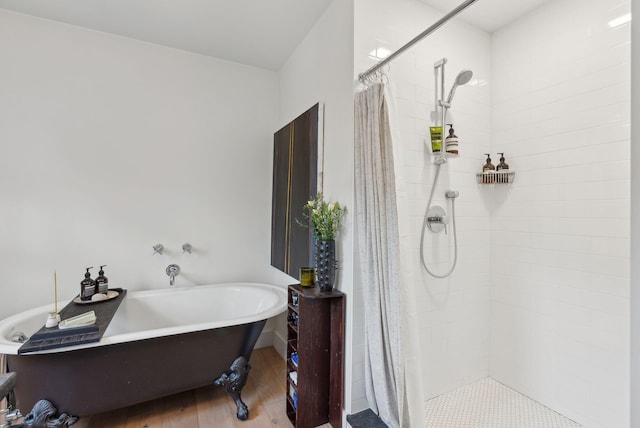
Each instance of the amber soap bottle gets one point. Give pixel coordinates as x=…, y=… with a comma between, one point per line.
x=102, y=283
x=87, y=286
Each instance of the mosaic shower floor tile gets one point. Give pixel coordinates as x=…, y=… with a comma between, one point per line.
x=490, y=404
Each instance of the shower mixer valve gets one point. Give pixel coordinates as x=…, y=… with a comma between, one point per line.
x=437, y=219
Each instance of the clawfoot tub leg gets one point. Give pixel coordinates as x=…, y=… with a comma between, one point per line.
x=234, y=382
x=43, y=415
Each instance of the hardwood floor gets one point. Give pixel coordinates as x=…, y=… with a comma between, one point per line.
x=211, y=406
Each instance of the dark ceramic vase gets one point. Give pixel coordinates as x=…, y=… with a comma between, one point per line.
x=326, y=264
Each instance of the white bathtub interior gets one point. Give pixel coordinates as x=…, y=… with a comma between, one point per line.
x=191, y=306
x=160, y=312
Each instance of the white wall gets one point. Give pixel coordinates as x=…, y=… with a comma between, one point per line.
x=111, y=145
x=453, y=313
x=321, y=70
x=560, y=233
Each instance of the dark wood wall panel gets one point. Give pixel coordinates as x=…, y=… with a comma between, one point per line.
x=295, y=181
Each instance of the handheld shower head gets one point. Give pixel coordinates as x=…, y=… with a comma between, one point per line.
x=462, y=79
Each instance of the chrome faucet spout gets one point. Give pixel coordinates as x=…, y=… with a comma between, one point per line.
x=173, y=271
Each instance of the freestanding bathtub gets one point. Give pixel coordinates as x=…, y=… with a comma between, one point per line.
x=160, y=342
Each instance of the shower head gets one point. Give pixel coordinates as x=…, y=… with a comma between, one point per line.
x=462, y=79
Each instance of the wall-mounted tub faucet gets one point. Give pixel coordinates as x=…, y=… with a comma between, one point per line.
x=158, y=249
x=186, y=248
x=173, y=271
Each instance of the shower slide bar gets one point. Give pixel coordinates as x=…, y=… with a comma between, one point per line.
x=365, y=74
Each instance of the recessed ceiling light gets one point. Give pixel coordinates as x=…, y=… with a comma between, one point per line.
x=379, y=53
x=620, y=20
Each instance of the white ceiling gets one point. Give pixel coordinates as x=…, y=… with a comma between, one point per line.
x=262, y=33
x=490, y=15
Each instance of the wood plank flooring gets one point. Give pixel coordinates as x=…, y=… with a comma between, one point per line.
x=211, y=406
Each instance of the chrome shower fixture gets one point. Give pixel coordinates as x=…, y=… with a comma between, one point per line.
x=436, y=216
x=462, y=79
x=442, y=106
x=438, y=69
x=436, y=220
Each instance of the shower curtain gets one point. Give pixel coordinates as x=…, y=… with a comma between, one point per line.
x=393, y=390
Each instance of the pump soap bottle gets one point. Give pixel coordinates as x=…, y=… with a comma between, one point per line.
x=87, y=286
x=488, y=171
x=451, y=142
x=102, y=283
x=502, y=164
x=502, y=168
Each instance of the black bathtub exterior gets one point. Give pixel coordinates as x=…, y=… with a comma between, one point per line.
x=88, y=381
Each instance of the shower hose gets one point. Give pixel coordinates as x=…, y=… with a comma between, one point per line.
x=424, y=227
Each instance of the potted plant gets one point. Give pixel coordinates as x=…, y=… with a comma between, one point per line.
x=324, y=220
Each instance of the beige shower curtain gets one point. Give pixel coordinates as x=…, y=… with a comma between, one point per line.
x=393, y=391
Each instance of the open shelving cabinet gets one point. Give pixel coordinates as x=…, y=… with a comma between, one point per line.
x=315, y=336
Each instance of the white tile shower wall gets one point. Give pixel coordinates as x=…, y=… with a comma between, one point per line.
x=560, y=233
x=453, y=312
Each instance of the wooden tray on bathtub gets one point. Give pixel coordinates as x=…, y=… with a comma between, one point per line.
x=51, y=338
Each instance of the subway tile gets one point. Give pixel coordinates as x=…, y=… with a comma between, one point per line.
x=609, y=265
x=404, y=90
x=556, y=241
x=608, y=323
x=617, y=285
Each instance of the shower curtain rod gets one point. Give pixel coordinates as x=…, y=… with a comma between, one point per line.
x=363, y=76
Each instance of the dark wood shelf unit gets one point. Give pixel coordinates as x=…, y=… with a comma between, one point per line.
x=318, y=340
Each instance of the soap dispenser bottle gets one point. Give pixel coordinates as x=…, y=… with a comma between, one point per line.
x=488, y=170
x=87, y=286
x=502, y=169
x=502, y=165
x=102, y=283
x=451, y=142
